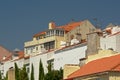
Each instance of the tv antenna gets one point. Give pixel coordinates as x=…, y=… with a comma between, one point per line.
x=97, y=23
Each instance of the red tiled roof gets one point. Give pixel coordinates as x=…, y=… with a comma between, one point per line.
x=38, y=34
x=100, y=65
x=109, y=30
x=4, y=52
x=114, y=34
x=70, y=26
x=21, y=54
x=7, y=58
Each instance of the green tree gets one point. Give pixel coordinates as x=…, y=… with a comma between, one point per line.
x=0, y=76
x=6, y=78
x=58, y=74
x=49, y=75
x=23, y=74
x=41, y=71
x=50, y=66
x=16, y=72
x=53, y=74
x=32, y=72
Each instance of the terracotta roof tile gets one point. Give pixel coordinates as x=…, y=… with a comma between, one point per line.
x=7, y=58
x=4, y=52
x=100, y=65
x=70, y=26
x=114, y=34
x=21, y=54
x=40, y=33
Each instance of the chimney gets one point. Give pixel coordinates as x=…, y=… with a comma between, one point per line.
x=82, y=61
x=52, y=25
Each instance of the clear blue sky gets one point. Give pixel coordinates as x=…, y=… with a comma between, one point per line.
x=21, y=19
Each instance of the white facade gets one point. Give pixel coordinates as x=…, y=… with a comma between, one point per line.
x=115, y=29
x=69, y=55
x=35, y=61
x=110, y=42
x=36, y=49
x=10, y=64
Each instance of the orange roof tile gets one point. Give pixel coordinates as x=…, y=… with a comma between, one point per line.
x=7, y=58
x=70, y=26
x=114, y=34
x=4, y=53
x=100, y=65
x=21, y=54
x=38, y=34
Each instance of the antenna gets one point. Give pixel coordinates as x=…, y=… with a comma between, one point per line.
x=97, y=23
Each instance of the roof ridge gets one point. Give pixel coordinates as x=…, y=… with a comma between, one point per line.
x=115, y=66
x=72, y=73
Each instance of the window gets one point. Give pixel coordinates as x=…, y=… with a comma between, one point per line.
x=57, y=32
x=36, y=48
x=51, y=62
x=38, y=37
x=52, y=32
x=49, y=45
x=26, y=51
x=62, y=33
x=46, y=46
x=27, y=68
x=48, y=34
x=52, y=45
x=31, y=49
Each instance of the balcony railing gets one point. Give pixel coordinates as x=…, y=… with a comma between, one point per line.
x=40, y=41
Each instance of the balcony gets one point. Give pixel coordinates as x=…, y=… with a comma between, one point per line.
x=40, y=41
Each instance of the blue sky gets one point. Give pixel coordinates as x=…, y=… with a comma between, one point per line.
x=21, y=19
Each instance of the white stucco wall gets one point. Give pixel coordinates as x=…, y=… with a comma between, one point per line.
x=112, y=41
x=70, y=56
x=108, y=42
x=35, y=61
x=118, y=43
x=9, y=64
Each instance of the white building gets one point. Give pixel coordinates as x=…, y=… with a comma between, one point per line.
x=10, y=64
x=69, y=55
x=35, y=61
x=111, y=39
x=48, y=46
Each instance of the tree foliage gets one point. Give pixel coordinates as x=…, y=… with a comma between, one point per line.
x=20, y=74
x=32, y=72
x=53, y=74
x=0, y=76
x=41, y=71
x=17, y=75
x=6, y=78
x=23, y=74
